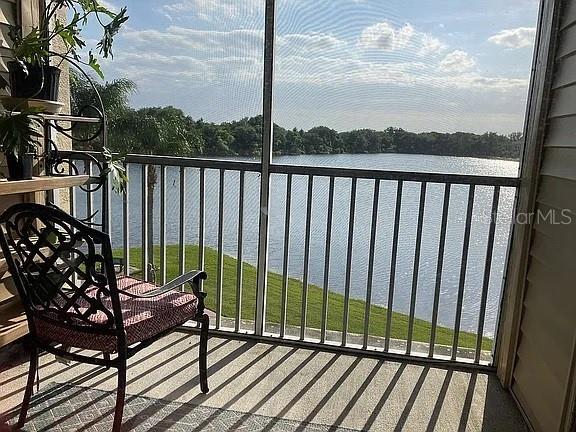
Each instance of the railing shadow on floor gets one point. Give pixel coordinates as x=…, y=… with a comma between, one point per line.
x=482, y=402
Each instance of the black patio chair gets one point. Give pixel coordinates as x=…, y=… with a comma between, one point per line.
x=65, y=275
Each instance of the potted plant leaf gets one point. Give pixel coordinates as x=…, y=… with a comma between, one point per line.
x=31, y=72
x=19, y=138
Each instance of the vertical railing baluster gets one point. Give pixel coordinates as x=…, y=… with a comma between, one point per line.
x=145, y=222
x=304, y=309
x=285, y=277
x=463, y=268
x=126, y=226
x=72, y=194
x=89, y=198
x=371, y=253
x=439, y=267
x=239, y=257
x=266, y=160
x=416, y=268
x=220, y=270
x=106, y=208
x=349, y=260
x=182, y=227
x=487, y=271
x=393, y=261
x=325, y=288
x=163, y=224
x=201, y=218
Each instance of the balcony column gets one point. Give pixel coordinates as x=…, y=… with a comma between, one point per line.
x=267, y=139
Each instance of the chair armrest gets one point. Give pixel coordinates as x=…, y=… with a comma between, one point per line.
x=192, y=278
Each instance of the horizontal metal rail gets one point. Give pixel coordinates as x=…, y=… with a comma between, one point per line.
x=176, y=161
x=395, y=175
x=234, y=165
x=348, y=350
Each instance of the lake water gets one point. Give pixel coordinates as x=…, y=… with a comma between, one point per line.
x=363, y=218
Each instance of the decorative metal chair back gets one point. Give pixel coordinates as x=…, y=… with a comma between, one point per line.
x=63, y=269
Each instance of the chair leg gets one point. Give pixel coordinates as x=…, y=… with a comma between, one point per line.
x=205, y=324
x=120, y=397
x=107, y=358
x=29, y=386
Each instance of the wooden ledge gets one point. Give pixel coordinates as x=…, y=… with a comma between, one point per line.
x=43, y=183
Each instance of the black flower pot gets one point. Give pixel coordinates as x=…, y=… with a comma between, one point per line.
x=20, y=168
x=42, y=82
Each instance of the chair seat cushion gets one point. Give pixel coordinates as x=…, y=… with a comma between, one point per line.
x=144, y=318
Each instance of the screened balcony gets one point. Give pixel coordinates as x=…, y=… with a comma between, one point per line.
x=365, y=298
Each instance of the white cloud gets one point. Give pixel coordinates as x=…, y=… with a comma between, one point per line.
x=177, y=70
x=386, y=37
x=431, y=45
x=175, y=63
x=188, y=41
x=248, y=43
x=474, y=80
x=514, y=38
x=348, y=71
x=457, y=62
x=344, y=71
x=214, y=10
x=381, y=36
x=312, y=44
x=109, y=5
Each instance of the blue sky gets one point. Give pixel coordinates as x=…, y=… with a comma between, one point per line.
x=443, y=65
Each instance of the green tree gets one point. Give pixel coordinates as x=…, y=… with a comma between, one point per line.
x=247, y=136
x=156, y=131
x=322, y=140
x=217, y=139
x=363, y=141
x=294, y=142
x=115, y=97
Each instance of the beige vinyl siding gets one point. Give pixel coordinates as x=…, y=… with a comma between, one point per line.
x=548, y=328
x=553, y=193
x=6, y=43
x=3, y=67
x=541, y=415
x=568, y=15
x=25, y=12
x=567, y=42
x=7, y=11
x=563, y=101
x=559, y=163
x=565, y=72
x=7, y=16
x=561, y=132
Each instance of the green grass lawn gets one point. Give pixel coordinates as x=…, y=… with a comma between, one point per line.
x=399, y=329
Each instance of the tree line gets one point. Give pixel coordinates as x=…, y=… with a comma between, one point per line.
x=169, y=131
